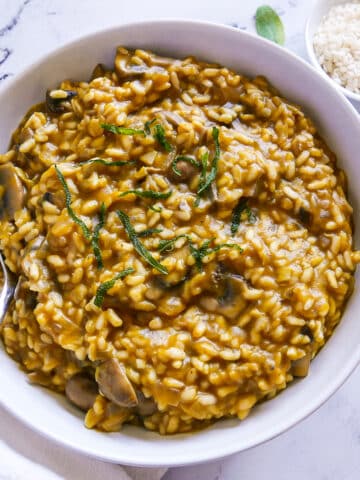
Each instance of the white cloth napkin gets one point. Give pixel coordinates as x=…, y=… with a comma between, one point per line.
x=26, y=455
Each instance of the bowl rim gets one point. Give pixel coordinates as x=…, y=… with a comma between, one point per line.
x=224, y=449
x=311, y=52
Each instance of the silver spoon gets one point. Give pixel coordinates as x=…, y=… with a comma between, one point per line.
x=8, y=290
x=11, y=202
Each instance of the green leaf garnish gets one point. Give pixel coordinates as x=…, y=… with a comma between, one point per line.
x=139, y=247
x=184, y=158
x=147, y=193
x=72, y=214
x=155, y=209
x=95, y=237
x=148, y=232
x=119, y=163
x=205, y=249
x=104, y=287
x=121, y=130
x=204, y=162
x=159, y=135
x=147, y=126
x=168, y=245
x=241, y=207
x=269, y=25
x=205, y=181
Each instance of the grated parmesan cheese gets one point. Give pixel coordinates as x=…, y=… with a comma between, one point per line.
x=337, y=45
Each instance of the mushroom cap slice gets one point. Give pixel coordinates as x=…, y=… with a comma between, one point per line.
x=300, y=367
x=146, y=406
x=82, y=391
x=14, y=192
x=114, y=384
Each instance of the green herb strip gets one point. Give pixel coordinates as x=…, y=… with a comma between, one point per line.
x=95, y=237
x=104, y=287
x=147, y=194
x=139, y=247
x=155, y=209
x=147, y=126
x=183, y=158
x=168, y=245
x=148, y=232
x=269, y=25
x=241, y=207
x=204, y=162
x=205, y=249
x=120, y=163
x=82, y=225
x=121, y=130
x=159, y=135
x=205, y=181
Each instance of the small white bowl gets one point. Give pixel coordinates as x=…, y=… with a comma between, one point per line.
x=319, y=10
x=50, y=413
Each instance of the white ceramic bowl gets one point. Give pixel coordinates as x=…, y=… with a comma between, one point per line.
x=49, y=413
x=319, y=10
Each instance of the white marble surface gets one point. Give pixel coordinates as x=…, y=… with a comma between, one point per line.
x=325, y=446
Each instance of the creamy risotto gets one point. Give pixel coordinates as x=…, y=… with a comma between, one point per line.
x=182, y=239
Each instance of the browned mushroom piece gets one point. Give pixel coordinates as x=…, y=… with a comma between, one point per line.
x=124, y=68
x=12, y=192
x=172, y=117
x=146, y=406
x=99, y=71
x=57, y=101
x=300, y=367
x=226, y=299
x=81, y=390
x=115, y=385
x=186, y=169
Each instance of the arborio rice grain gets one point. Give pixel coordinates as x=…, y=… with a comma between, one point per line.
x=337, y=45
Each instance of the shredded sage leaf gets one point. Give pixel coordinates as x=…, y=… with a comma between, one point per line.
x=148, y=232
x=155, y=209
x=159, y=135
x=147, y=126
x=121, y=130
x=147, y=194
x=104, y=287
x=204, y=162
x=241, y=207
x=169, y=245
x=139, y=247
x=119, y=163
x=184, y=158
x=95, y=237
x=205, y=181
x=68, y=200
x=269, y=25
x=205, y=249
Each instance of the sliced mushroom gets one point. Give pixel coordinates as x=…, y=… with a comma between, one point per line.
x=124, y=68
x=146, y=406
x=99, y=71
x=187, y=171
x=300, y=367
x=56, y=100
x=172, y=117
x=81, y=390
x=115, y=385
x=228, y=300
x=12, y=192
x=304, y=216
